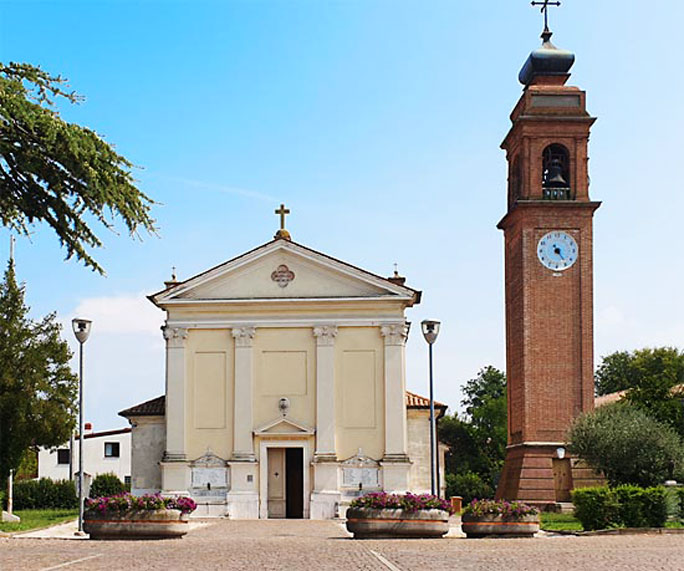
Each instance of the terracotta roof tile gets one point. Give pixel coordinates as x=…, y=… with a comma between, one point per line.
x=153, y=407
x=416, y=401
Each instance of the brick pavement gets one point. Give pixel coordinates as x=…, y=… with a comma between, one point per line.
x=314, y=545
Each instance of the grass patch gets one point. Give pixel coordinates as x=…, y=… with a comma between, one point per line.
x=36, y=519
x=551, y=521
x=674, y=525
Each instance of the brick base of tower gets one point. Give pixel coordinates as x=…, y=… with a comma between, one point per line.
x=534, y=474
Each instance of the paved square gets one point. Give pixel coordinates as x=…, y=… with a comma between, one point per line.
x=324, y=545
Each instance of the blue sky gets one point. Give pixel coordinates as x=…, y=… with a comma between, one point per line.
x=378, y=123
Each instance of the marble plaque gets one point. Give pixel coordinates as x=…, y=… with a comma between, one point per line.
x=208, y=478
x=367, y=477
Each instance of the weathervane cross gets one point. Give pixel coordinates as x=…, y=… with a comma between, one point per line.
x=545, y=10
x=283, y=212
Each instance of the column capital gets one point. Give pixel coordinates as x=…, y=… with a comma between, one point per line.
x=325, y=335
x=244, y=336
x=395, y=333
x=175, y=336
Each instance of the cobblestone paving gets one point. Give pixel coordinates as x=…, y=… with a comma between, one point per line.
x=312, y=546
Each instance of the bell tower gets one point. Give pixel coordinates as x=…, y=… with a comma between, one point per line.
x=548, y=278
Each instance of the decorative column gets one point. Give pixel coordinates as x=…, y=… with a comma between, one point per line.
x=243, y=499
x=395, y=462
x=175, y=472
x=326, y=497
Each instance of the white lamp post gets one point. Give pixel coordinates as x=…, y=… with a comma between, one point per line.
x=430, y=329
x=82, y=331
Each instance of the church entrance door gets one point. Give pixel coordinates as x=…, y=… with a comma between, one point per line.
x=286, y=483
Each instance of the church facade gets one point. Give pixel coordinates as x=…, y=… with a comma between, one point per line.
x=285, y=388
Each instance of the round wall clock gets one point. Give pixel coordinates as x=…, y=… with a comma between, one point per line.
x=557, y=250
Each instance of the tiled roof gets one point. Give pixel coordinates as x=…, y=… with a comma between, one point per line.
x=416, y=401
x=154, y=407
x=609, y=398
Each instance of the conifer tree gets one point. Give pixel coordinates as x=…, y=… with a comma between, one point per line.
x=37, y=387
x=60, y=173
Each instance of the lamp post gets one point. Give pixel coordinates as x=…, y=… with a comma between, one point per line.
x=82, y=331
x=430, y=329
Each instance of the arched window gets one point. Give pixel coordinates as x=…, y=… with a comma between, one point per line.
x=556, y=173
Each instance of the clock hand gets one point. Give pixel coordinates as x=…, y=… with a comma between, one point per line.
x=557, y=251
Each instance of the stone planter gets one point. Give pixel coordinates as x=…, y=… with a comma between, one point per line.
x=138, y=524
x=496, y=526
x=367, y=523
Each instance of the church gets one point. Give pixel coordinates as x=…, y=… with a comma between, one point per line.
x=285, y=388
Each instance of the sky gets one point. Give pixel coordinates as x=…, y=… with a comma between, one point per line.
x=378, y=123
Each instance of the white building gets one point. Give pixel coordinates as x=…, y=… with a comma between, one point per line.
x=103, y=452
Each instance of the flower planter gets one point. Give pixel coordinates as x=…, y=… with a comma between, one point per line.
x=136, y=524
x=368, y=523
x=489, y=525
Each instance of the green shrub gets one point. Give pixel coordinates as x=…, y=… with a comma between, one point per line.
x=623, y=506
x=654, y=506
x=469, y=486
x=680, y=496
x=596, y=508
x=44, y=494
x=630, y=499
x=3, y=505
x=626, y=445
x=106, y=485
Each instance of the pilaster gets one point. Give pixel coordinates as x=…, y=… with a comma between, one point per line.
x=395, y=392
x=325, y=393
x=175, y=393
x=243, y=447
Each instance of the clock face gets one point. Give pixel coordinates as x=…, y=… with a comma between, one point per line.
x=557, y=250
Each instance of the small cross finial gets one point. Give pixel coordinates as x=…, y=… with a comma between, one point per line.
x=173, y=273
x=282, y=212
x=545, y=10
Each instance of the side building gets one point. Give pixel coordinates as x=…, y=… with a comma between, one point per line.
x=108, y=451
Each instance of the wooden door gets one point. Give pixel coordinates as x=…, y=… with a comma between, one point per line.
x=562, y=478
x=276, y=482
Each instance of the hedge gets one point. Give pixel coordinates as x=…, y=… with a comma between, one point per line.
x=45, y=494
x=623, y=506
x=106, y=485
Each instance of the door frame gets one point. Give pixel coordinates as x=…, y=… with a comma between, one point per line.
x=264, y=445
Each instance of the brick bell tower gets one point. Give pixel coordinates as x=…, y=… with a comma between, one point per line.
x=548, y=275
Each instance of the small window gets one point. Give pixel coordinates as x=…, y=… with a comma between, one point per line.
x=63, y=456
x=111, y=449
x=127, y=481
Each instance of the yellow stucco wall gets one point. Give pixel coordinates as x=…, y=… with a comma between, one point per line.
x=359, y=392
x=209, y=392
x=284, y=366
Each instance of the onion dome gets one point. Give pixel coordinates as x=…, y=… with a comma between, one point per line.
x=547, y=61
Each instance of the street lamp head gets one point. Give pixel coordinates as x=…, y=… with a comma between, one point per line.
x=430, y=329
x=81, y=329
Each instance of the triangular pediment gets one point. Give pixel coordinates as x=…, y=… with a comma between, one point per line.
x=284, y=427
x=284, y=270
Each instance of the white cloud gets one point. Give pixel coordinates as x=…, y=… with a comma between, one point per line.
x=126, y=313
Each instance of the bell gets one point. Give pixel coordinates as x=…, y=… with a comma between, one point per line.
x=554, y=175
